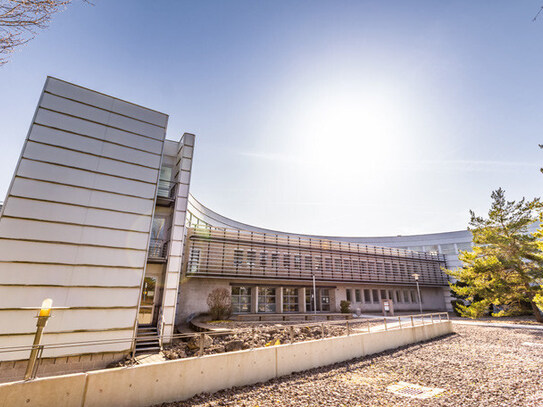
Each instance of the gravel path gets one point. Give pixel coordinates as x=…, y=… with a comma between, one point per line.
x=477, y=366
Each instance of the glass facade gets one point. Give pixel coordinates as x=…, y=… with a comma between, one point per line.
x=290, y=300
x=266, y=299
x=241, y=299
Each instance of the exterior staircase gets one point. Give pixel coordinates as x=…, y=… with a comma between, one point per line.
x=147, y=340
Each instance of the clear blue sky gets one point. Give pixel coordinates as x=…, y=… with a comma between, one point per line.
x=329, y=117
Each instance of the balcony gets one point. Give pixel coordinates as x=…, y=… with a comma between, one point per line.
x=165, y=193
x=158, y=250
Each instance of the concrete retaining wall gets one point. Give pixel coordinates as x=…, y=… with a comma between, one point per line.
x=146, y=385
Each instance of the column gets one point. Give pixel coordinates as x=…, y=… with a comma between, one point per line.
x=301, y=299
x=177, y=236
x=279, y=300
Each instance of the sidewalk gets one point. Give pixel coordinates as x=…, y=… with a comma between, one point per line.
x=462, y=322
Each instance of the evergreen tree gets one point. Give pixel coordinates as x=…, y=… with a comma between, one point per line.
x=505, y=266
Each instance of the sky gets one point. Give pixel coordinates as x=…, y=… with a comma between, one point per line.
x=355, y=118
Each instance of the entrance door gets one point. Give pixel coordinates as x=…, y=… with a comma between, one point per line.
x=147, y=302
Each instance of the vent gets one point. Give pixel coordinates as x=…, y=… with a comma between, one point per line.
x=414, y=390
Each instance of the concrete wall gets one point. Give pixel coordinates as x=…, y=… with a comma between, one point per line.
x=76, y=221
x=146, y=385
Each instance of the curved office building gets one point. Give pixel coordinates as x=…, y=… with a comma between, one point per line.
x=99, y=218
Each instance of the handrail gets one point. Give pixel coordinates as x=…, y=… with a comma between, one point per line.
x=349, y=323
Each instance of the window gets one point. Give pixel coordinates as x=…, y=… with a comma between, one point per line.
x=318, y=263
x=275, y=260
x=337, y=265
x=406, y=296
x=356, y=268
x=308, y=263
x=375, y=295
x=357, y=296
x=286, y=261
x=241, y=299
x=464, y=246
x=348, y=293
x=384, y=294
x=347, y=265
x=194, y=260
x=413, y=296
x=328, y=264
x=164, y=182
x=238, y=257
x=290, y=299
x=325, y=299
x=416, y=248
x=398, y=296
x=367, y=296
x=263, y=259
x=448, y=248
x=266, y=299
x=298, y=262
x=251, y=258
x=431, y=249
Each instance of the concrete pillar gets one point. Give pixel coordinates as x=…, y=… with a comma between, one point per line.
x=254, y=300
x=301, y=299
x=279, y=300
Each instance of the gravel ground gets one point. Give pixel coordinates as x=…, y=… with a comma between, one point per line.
x=523, y=320
x=477, y=366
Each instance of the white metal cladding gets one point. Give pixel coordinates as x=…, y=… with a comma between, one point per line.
x=76, y=221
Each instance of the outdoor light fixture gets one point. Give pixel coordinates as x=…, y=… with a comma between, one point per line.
x=416, y=276
x=43, y=315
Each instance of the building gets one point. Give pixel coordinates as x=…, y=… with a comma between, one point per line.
x=99, y=217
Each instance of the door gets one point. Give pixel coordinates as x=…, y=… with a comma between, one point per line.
x=147, y=302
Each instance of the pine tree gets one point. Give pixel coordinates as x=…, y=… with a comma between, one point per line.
x=505, y=266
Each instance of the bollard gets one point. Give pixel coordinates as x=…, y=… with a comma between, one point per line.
x=400, y=322
x=201, y=351
x=385, y=321
x=412, y=322
x=348, y=328
x=439, y=317
x=322, y=329
x=253, y=335
x=291, y=332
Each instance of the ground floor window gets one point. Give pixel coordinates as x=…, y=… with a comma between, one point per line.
x=266, y=299
x=241, y=299
x=325, y=299
x=357, y=296
x=367, y=296
x=290, y=299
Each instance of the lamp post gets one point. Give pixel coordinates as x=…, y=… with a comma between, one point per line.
x=43, y=315
x=314, y=295
x=416, y=276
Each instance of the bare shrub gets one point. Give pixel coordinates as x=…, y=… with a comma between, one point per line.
x=220, y=304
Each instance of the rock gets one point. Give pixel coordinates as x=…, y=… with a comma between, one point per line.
x=194, y=343
x=234, y=345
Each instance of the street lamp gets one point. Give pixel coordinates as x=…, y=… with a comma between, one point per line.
x=43, y=315
x=416, y=276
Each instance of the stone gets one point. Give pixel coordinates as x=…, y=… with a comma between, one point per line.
x=234, y=345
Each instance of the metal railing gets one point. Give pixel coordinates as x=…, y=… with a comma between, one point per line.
x=352, y=326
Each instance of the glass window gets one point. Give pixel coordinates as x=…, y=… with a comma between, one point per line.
x=448, y=248
x=308, y=263
x=158, y=231
x=367, y=296
x=325, y=299
x=464, y=246
x=398, y=296
x=318, y=263
x=263, y=259
x=337, y=265
x=297, y=262
x=375, y=295
x=266, y=299
x=275, y=260
x=241, y=299
x=348, y=294
x=290, y=299
x=431, y=249
x=286, y=261
x=413, y=296
x=406, y=296
x=238, y=257
x=194, y=260
x=251, y=257
x=328, y=264
x=384, y=294
x=347, y=265
x=356, y=267
x=357, y=296
x=164, y=182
